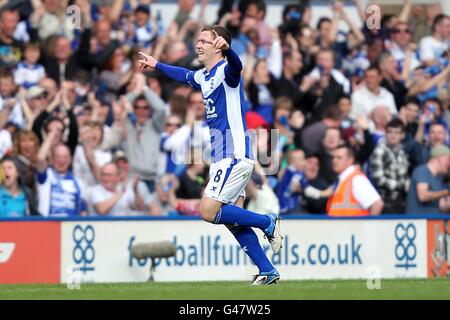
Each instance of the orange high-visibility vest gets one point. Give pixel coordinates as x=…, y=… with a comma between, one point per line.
x=342, y=202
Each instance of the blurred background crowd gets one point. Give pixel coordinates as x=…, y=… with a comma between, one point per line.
x=84, y=132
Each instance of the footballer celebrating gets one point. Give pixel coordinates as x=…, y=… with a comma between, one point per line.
x=232, y=161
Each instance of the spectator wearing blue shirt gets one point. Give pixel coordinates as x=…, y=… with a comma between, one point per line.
x=60, y=193
x=310, y=203
x=13, y=198
x=145, y=28
x=292, y=183
x=427, y=188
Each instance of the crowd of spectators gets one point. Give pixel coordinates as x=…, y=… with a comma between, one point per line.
x=84, y=132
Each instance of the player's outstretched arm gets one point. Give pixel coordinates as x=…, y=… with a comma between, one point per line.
x=176, y=73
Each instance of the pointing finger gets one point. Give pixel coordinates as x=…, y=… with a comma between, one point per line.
x=143, y=55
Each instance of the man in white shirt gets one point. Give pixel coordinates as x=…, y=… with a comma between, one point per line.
x=432, y=47
x=112, y=198
x=371, y=94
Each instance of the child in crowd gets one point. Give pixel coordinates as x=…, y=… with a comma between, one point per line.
x=28, y=72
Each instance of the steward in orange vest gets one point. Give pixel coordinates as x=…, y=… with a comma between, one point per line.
x=342, y=202
x=349, y=199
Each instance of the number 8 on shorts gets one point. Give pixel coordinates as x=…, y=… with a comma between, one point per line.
x=228, y=179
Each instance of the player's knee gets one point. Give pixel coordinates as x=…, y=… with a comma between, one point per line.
x=207, y=212
x=207, y=215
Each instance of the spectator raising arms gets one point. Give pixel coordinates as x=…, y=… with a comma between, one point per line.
x=89, y=158
x=59, y=191
x=143, y=135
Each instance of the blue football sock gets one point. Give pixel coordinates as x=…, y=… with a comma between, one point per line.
x=249, y=243
x=236, y=216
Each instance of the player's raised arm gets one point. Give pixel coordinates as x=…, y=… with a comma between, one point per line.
x=234, y=67
x=176, y=73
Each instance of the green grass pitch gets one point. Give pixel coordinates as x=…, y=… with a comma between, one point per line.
x=238, y=290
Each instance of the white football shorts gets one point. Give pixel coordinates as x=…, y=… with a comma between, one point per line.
x=228, y=179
